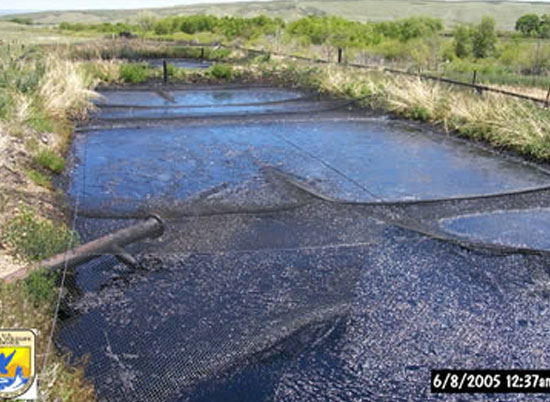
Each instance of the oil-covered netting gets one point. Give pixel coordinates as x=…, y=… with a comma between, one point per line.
x=304, y=258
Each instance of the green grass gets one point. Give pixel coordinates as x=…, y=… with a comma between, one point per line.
x=39, y=178
x=134, y=73
x=41, y=123
x=35, y=237
x=48, y=159
x=40, y=288
x=221, y=71
x=137, y=50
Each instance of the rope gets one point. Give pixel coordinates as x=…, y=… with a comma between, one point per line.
x=337, y=171
x=417, y=225
x=331, y=108
x=276, y=102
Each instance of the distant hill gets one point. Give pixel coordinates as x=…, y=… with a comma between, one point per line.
x=8, y=12
x=451, y=12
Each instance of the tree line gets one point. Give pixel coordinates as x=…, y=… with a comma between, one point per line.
x=534, y=26
x=317, y=30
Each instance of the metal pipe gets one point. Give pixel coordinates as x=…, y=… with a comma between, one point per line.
x=151, y=227
x=124, y=257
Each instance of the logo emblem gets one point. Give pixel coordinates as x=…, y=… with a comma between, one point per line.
x=17, y=363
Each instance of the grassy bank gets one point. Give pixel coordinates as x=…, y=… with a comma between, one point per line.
x=41, y=96
x=503, y=122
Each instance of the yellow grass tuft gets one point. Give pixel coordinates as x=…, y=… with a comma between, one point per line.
x=65, y=90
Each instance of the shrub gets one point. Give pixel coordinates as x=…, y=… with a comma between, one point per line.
x=171, y=69
x=23, y=21
x=134, y=73
x=462, y=40
x=40, y=287
x=420, y=113
x=36, y=238
x=484, y=38
x=221, y=71
x=50, y=160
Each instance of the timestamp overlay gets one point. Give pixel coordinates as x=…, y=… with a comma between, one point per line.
x=490, y=381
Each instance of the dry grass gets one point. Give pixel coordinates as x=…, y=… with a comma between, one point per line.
x=534, y=92
x=500, y=120
x=105, y=71
x=39, y=98
x=65, y=89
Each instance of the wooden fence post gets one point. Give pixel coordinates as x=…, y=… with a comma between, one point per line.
x=474, y=79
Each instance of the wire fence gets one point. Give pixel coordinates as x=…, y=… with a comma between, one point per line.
x=479, y=88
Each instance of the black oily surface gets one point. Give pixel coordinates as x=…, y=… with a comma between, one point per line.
x=261, y=288
x=420, y=304
x=342, y=307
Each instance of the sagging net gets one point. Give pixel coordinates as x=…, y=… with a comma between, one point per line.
x=304, y=257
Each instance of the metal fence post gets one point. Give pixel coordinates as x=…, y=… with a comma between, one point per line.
x=165, y=71
x=202, y=53
x=340, y=55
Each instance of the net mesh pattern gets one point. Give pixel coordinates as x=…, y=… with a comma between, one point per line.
x=276, y=283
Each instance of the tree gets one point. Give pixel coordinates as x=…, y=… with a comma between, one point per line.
x=484, y=38
x=418, y=27
x=528, y=24
x=462, y=40
x=544, y=26
x=145, y=23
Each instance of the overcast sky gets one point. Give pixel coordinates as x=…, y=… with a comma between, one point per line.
x=99, y=4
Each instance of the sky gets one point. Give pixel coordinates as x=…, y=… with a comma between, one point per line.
x=100, y=4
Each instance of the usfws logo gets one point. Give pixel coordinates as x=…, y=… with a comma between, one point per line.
x=17, y=364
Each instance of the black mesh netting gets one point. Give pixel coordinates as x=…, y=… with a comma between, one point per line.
x=302, y=259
